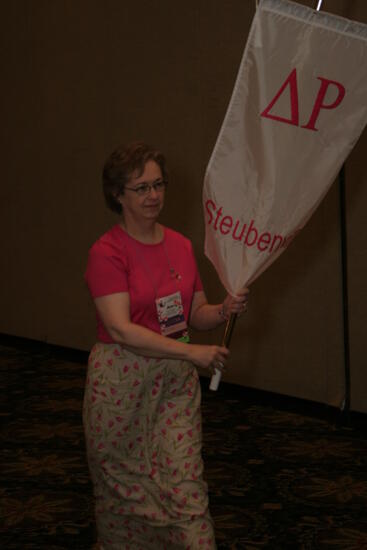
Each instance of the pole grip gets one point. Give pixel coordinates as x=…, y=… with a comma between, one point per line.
x=215, y=379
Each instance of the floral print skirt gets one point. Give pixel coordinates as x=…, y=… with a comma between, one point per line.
x=142, y=424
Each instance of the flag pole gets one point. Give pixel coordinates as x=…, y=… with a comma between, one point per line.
x=319, y=3
x=345, y=407
x=229, y=329
x=215, y=379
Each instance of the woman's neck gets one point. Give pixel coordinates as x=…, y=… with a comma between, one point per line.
x=150, y=233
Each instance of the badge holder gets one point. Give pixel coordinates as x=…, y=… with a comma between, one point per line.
x=171, y=317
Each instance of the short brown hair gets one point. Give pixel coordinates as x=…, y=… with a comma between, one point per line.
x=122, y=164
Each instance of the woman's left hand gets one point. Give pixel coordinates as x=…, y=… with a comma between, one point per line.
x=235, y=304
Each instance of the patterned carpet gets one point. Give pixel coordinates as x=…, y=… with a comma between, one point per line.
x=282, y=473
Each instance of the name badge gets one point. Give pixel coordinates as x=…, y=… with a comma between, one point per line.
x=171, y=317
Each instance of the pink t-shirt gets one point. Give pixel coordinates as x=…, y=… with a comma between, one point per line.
x=119, y=263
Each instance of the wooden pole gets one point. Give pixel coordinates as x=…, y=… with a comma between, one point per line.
x=215, y=379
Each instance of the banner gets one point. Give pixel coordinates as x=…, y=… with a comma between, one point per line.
x=299, y=105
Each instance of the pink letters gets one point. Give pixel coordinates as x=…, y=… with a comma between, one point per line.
x=319, y=101
x=291, y=82
x=247, y=233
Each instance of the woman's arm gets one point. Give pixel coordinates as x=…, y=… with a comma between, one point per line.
x=206, y=316
x=114, y=311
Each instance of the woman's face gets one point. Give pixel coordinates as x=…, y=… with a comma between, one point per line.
x=145, y=206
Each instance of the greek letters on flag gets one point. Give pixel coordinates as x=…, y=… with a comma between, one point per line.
x=297, y=109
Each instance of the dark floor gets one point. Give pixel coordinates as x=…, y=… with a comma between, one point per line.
x=282, y=473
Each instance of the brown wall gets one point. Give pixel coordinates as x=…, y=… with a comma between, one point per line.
x=80, y=77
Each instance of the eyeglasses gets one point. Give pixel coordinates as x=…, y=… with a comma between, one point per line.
x=146, y=188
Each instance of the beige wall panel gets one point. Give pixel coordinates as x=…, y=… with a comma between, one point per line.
x=83, y=77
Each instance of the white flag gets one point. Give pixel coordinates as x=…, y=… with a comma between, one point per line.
x=298, y=107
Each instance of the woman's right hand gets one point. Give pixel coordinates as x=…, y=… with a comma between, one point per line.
x=208, y=357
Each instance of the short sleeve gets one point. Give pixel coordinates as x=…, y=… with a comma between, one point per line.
x=106, y=271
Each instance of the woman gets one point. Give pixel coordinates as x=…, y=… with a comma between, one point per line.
x=142, y=400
